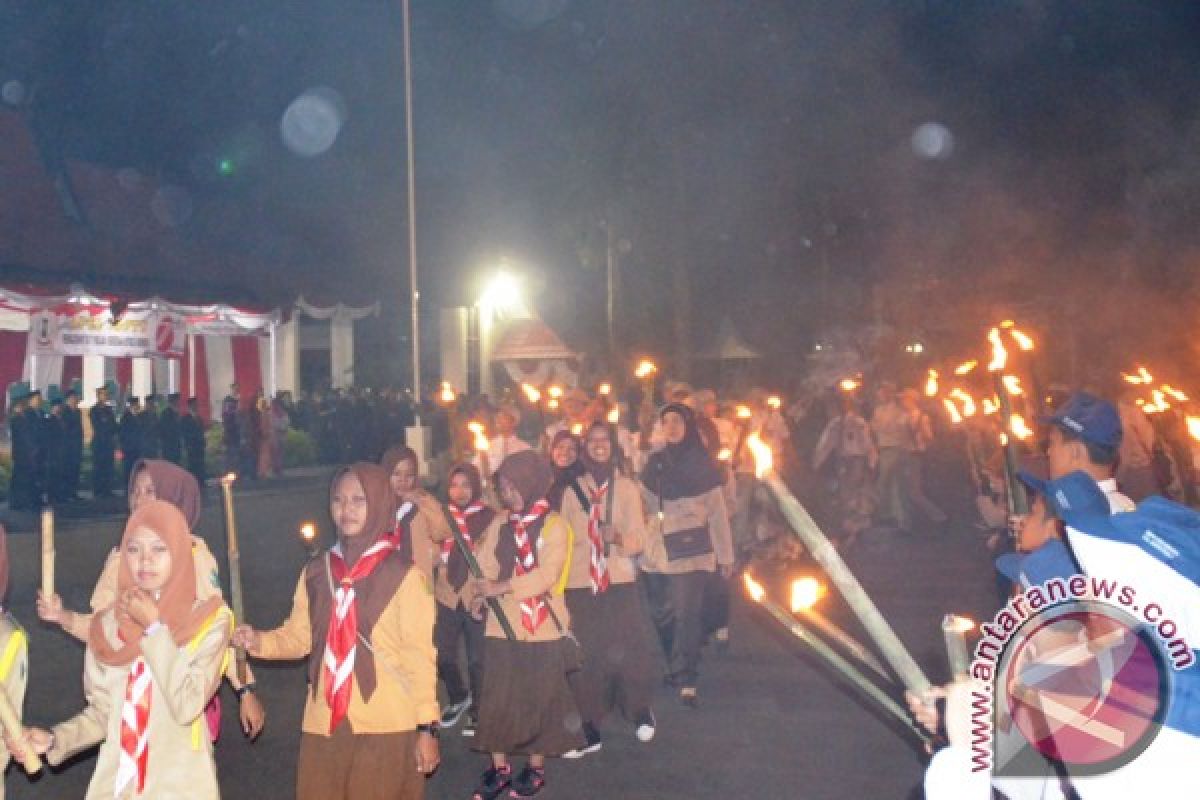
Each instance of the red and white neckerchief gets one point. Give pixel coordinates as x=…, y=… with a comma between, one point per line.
x=404, y=515
x=460, y=519
x=598, y=564
x=135, y=729
x=341, y=638
x=533, y=610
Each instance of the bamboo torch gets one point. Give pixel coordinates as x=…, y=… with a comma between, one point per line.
x=805, y=592
x=476, y=573
x=235, y=567
x=310, y=538
x=954, y=632
x=827, y=556
x=47, y=552
x=16, y=733
x=829, y=655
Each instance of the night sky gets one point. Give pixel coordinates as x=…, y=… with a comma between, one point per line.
x=806, y=165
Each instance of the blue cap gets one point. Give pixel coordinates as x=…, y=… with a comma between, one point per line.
x=1071, y=495
x=1091, y=418
x=1051, y=560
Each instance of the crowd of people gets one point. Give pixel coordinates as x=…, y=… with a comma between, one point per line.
x=578, y=557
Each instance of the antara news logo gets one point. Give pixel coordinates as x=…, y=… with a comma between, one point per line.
x=1073, y=674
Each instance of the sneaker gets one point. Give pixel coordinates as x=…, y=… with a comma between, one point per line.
x=452, y=713
x=493, y=783
x=470, y=725
x=528, y=782
x=592, y=743
x=647, y=726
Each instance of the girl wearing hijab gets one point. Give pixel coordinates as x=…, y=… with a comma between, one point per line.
x=153, y=479
x=14, y=653
x=370, y=718
x=607, y=613
x=526, y=700
x=564, y=458
x=687, y=540
x=478, y=523
x=416, y=510
x=154, y=658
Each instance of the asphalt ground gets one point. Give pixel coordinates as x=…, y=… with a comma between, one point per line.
x=773, y=722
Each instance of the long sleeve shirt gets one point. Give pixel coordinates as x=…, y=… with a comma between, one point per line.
x=14, y=674
x=628, y=520
x=183, y=679
x=682, y=514
x=446, y=594
x=402, y=643
x=544, y=580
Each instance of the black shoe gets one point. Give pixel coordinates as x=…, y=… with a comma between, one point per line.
x=493, y=783
x=528, y=782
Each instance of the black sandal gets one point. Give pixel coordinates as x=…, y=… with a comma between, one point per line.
x=493, y=783
x=528, y=782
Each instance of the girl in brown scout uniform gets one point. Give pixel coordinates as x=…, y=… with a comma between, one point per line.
x=527, y=707
x=423, y=520
x=478, y=524
x=153, y=661
x=688, y=540
x=370, y=720
x=14, y=654
x=153, y=479
x=604, y=509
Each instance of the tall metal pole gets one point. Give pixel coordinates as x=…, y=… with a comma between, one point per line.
x=412, y=217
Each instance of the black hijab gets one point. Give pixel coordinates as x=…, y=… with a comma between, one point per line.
x=684, y=469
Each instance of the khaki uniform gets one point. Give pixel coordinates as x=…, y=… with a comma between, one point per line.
x=628, y=520
x=547, y=578
x=180, y=762
x=14, y=674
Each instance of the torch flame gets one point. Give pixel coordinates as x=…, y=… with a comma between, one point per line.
x=725, y=455
x=552, y=404
x=1193, y=427
x=931, y=384
x=968, y=402
x=999, y=354
x=1142, y=376
x=848, y=384
x=1012, y=385
x=1019, y=428
x=577, y=429
x=228, y=478
x=1008, y=323
x=966, y=367
x=952, y=410
x=744, y=412
x=448, y=394
x=479, y=439
x=308, y=531
x=614, y=416
x=555, y=391
x=1158, y=403
x=774, y=402
x=645, y=369
x=764, y=459
x=805, y=593
x=1178, y=395
x=531, y=393
x=754, y=588
x=1023, y=340
x=959, y=624
x=990, y=406
x=605, y=389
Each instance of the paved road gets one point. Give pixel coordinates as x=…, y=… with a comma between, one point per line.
x=772, y=723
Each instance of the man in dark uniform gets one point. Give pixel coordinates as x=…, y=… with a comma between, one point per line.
x=34, y=418
x=104, y=443
x=191, y=431
x=21, y=486
x=169, y=443
x=231, y=434
x=131, y=436
x=148, y=417
x=54, y=448
x=73, y=444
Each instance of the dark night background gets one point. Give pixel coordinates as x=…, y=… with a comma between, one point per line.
x=763, y=159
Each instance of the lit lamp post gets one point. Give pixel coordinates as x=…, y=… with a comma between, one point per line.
x=501, y=299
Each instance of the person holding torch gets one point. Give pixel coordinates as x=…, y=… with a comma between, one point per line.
x=365, y=618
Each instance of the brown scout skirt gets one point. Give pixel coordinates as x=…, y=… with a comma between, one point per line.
x=620, y=670
x=527, y=707
x=349, y=766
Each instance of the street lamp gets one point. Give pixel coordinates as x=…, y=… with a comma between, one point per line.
x=501, y=299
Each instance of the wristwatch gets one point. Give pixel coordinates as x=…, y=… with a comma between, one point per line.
x=245, y=689
x=432, y=728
